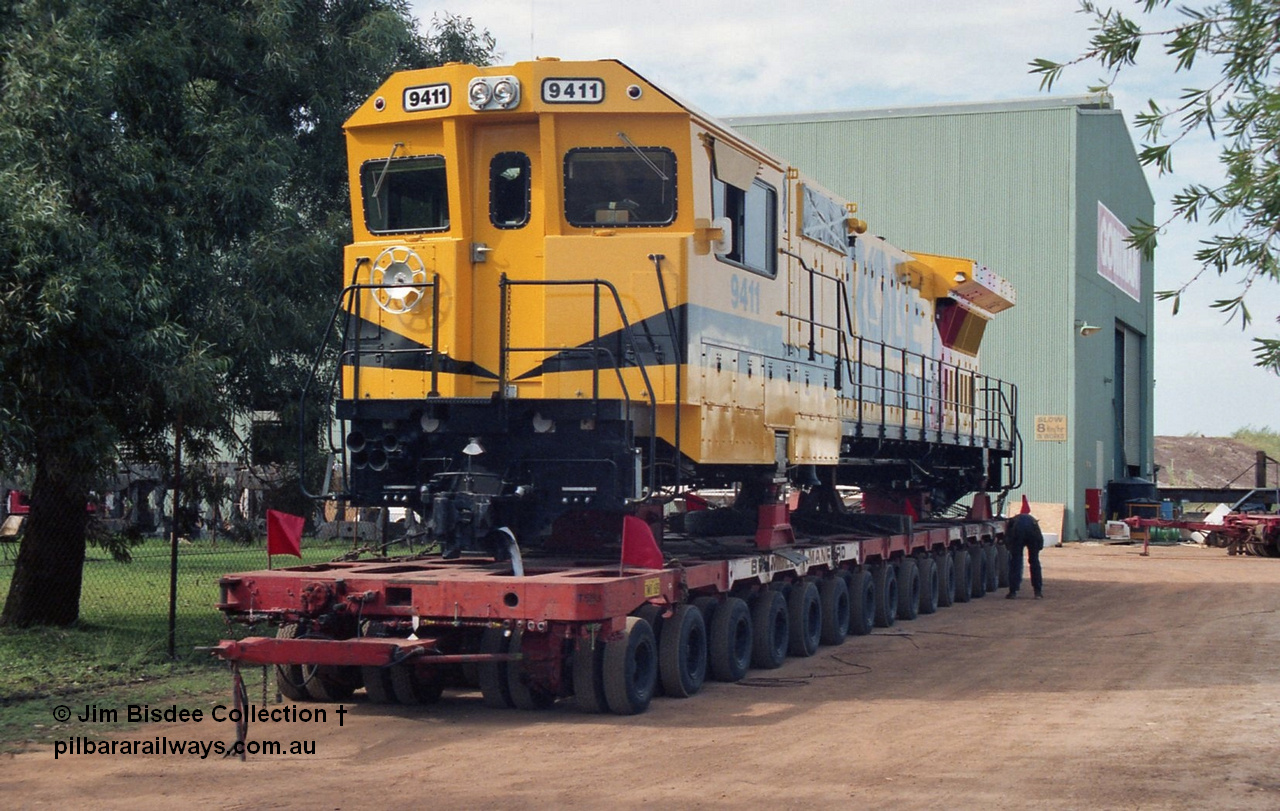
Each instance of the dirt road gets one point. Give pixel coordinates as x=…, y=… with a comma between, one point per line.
x=1138, y=683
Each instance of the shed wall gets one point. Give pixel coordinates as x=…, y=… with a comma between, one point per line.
x=1006, y=187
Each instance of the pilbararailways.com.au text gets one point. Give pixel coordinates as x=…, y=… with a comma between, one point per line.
x=236, y=718
x=163, y=745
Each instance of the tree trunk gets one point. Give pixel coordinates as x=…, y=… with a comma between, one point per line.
x=45, y=589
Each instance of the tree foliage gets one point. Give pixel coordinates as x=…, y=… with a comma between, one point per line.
x=172, y=208
x=1239, y=107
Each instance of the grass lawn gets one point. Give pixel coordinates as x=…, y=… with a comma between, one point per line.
x=118, y=652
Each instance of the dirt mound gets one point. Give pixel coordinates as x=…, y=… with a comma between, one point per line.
x=1204, y=461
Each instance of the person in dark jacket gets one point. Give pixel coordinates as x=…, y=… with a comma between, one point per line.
x=1023, y=532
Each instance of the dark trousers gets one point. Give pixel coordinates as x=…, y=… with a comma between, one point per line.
x=1015, y=567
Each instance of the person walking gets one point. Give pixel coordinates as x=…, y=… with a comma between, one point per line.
x=1024, y=532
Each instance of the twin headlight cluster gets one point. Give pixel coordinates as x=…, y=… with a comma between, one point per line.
x=493, y=92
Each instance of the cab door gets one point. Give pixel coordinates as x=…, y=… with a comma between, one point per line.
x=507, y=216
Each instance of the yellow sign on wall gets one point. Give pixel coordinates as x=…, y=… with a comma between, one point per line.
x=1051, y=427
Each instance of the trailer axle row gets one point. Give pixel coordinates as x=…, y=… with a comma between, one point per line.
x=608, y=636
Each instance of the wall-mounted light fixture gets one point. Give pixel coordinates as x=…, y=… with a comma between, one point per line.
x=1086, y=329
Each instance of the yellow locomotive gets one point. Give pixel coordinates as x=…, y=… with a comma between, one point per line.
x=569, y=292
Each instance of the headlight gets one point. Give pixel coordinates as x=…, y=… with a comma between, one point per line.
x=480, y=94
x=504, y=94
x=494, y=93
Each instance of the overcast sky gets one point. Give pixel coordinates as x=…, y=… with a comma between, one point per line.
x=746, y=57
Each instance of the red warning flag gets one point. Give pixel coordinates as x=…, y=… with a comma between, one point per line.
x=284, y=534
x=909, y=510
x=639, y=549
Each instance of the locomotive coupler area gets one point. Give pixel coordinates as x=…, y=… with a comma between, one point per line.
x=471, y=512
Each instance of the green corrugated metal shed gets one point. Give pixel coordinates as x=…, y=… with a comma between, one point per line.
x=1016, y=186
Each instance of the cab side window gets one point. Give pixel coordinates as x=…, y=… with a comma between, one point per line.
x=754, y=216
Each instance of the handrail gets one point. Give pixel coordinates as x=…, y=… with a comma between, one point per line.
x=350, y=303
x=991, y=420
x=504, y=349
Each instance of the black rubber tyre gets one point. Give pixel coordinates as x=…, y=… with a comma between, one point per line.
x=377, y=684
x=964, y=583
x=804, y=618
x=494, y=681
x=290, y=680
x=993, y=567
x=1002, y=567
x=411, y=688
x=886, y=587
x=908, y=589
x=928, y=584
x=332, y=683
x=588, y=676
x=977, y=572
x=707, y=605
x=524, y=695
x=682, y=652
x=862, y=602
x=631, y=669
x=833, y=591
x=731, y=640
x=651, y=614
x=771, y=629
x=946, y=568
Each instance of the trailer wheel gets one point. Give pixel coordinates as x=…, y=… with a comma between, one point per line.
x=410, y=688
x=331, y=684
x=908, y=589
x=978, y=571
x=682, y=652
x=992, y=581
x=588, y=675
x=804, y=616
x=290, y=680
x=770, y=629
x=928, y=584
x=493, y=675
x=377, y=684
x=731, y=640
x=1002, y=567
x=707, y=605
x=946, y=568
x=886, y=585
x=525, y=695
x=631, y=669
x=862, y=602
x=833, y=592
x=960, y=574
x=651, y=614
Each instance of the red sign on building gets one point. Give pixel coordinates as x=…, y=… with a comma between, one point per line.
x=1119, y=262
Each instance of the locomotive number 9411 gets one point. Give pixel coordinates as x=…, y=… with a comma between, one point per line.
x=745, y=294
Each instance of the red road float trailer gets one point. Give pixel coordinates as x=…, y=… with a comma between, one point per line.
x=606, y=634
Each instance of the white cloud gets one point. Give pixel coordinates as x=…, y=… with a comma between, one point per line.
x=738, y=57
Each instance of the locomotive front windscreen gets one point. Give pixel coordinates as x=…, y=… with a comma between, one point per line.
x=405, y=194
x=620, y=186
